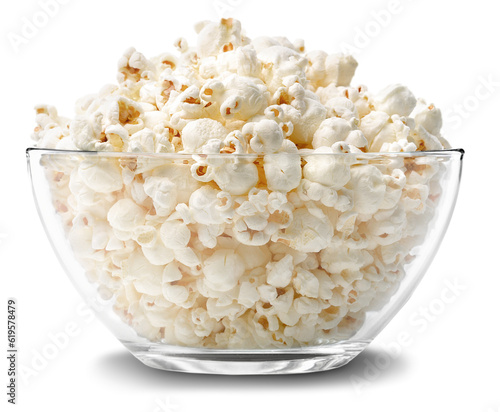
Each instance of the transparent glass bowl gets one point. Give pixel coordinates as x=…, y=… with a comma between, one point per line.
x=245, y=264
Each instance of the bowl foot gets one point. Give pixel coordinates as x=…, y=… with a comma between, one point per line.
x=246, y=362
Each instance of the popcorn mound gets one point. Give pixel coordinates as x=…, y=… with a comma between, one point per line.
x=267, y=223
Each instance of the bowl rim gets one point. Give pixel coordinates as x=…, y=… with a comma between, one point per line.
x=362, y=155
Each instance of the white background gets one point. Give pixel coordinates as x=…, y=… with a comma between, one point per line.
x=443, y=50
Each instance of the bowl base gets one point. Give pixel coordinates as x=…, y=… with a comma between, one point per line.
x=246, y=362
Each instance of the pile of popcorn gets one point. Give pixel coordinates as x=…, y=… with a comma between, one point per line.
x=266, y=222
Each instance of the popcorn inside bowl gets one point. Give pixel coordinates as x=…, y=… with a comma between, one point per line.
x=234, y=201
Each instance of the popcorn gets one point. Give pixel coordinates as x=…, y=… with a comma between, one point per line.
x=280, y=273
x=264, y=136
x=163, y=192
x=206, y=204
x=246, y=206
x=330, y=171
x=338, y=257
x=175, y=234
x=237, y=97
x=373, y=123
x=339, y=69
x=187, y=256
x=158, y=253
x=368, y=188
x=198, y=132
x=428, y=116
x=100, y=175
x=223, y=269
x=279, y=62
x=395, y=99
x=215, y=38
x=170, y=179
x=236, y=178
x=248, y=295
x=342, y=107
x=242, y=61
x=176, y=294
x=307, y=233
x=207, y=234
x=171, y=273
x=125, y=215
x=306, y=283
x=311, y=117
x=283, y=169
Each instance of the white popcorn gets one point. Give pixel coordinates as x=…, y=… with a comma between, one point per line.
x=163, y=192
x=179, y=176
x=307, y=233
x=171, y=273
x=253, y=256
x=283, y=170
x=235, y=142
x=280, y=273
x=357, y=139
x=207, y=234
x=248, y=236
x=51, y=128
x=267, y=294
x=205, y=206
x=187, y=256
x=157, y=253
x=330, y=131
x=175, y=234
x=214, y=38
x=223, y=269
x=395, y=99
x=236, y=178
x=280, y=62
x=184, y=330
x=424, y=140
x=395, y=184
x=248, y=294
x=367, y=184
x=331, y=171
x=339, y=69
x=242, y=61
x=198, y=132
x=132, y=66
x=101, y=175
x=342, y=107
x=373, y=123
x=311, y=117
x=248, y=210
x=428, y=116
x=401, y=145
x=306, y=283
x=397, y=129
x=237, y=97
x=308, y=190
x=218, y=312
x=143, y=140
x=125, y=215
x=264, y=136
x=338, y=257
x=137, y=267
x=388, y=227
x=184, y=107
x=176, y=294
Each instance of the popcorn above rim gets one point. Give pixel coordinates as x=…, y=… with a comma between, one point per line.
x=231, y=94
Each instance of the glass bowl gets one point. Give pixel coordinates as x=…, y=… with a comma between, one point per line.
x=245, y=264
